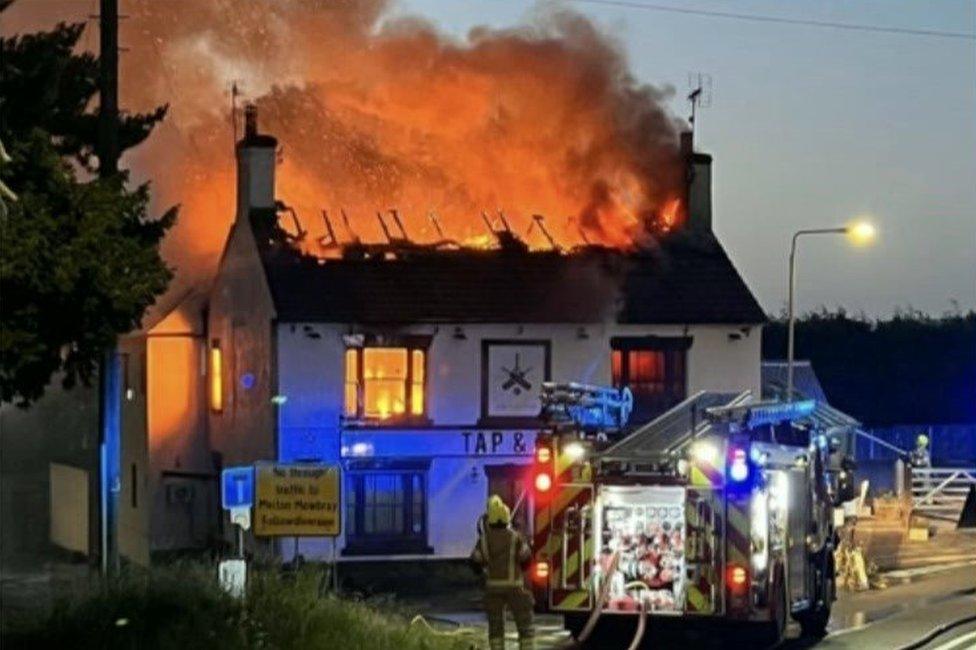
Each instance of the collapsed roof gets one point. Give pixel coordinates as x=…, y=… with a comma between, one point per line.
x=683, y=279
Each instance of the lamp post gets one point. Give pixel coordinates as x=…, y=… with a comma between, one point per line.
x=860, y=233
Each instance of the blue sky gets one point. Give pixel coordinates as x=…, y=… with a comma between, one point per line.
x=812, y=126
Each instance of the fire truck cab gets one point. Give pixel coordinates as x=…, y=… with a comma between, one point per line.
x=720, y=509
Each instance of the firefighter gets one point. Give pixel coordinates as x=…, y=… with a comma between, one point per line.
x=921, y=456
x=502, y=554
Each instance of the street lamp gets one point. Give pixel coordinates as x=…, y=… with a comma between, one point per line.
x=860, y=233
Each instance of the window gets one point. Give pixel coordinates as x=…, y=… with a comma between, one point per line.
x=385, y=383
x=654, y=368
x=216, y=377
x=386, y=512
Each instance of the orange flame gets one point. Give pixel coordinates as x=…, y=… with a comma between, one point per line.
x=375, y=111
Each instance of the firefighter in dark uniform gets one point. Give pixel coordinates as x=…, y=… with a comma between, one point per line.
x=502, y=554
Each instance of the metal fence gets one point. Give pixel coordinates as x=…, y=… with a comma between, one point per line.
x=951, y=445
x=941, y=491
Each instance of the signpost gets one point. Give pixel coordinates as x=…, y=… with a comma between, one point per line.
x=294, y=500
x=237, y=496
x=232, y=576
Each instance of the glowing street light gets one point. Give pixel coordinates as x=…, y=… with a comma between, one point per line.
x=860, y=233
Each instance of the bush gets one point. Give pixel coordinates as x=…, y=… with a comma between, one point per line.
x=182, y=608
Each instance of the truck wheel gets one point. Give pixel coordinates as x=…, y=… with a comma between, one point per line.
x=813, y=622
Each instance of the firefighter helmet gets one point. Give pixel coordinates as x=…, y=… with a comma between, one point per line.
x=498, y=513
x=922, y=441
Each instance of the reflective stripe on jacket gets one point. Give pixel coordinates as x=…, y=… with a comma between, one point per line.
x=502, y=552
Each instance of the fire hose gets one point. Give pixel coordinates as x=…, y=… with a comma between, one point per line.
x=937, y=632
x=459, y=631
x=598, y=605
x=642, y=621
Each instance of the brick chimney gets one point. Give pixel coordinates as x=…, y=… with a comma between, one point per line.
x=255, y=166
x=698, y=181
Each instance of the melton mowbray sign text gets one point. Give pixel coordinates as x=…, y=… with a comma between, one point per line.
x=297, y=500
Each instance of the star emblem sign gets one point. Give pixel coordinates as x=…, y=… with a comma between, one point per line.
x=516, y=381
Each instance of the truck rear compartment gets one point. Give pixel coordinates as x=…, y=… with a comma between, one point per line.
x=644, y=528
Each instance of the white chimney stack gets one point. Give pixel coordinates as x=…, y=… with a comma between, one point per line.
x=255, y=166
x=698, y=185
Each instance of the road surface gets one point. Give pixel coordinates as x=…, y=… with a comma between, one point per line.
x=884, y=619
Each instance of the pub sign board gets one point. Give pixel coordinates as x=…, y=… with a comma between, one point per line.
x=297, y=500
x=512, y=376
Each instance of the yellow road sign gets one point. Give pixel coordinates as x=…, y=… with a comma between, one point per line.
x=297, y=500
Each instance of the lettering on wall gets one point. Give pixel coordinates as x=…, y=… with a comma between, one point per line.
x=491, y=443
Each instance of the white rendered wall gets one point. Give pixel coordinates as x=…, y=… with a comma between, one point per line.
x=310, y=360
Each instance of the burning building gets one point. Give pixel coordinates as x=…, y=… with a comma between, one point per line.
x=415, y=361
x=418, y=367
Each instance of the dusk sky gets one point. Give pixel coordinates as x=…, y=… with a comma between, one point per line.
x=809, y=127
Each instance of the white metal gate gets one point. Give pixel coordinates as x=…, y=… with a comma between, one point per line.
x=941, y=490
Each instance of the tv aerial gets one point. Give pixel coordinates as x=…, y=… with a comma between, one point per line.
x=700, y=95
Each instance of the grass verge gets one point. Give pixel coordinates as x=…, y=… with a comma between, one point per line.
x=179, y=608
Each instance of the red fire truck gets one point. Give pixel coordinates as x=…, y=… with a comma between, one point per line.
x=722, y=508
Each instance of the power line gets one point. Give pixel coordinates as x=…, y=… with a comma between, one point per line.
x=632, y=4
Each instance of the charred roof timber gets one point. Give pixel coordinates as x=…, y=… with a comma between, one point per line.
x=507, y=240
x=682, y=277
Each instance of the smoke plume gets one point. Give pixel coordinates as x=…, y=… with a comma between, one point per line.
x=375, y=111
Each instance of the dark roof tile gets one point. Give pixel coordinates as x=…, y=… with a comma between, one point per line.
x=680, y=281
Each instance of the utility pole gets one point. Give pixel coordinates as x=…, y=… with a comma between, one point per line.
x=108, y=89
x=108, y=375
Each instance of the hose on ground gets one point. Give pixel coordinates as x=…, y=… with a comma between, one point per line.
x=937, y=632
x=598, y=605
x=421, y=621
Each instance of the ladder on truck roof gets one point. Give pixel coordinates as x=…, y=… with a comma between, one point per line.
x=674, y=428
x=585, y=406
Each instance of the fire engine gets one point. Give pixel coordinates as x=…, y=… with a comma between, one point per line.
x=720, y=509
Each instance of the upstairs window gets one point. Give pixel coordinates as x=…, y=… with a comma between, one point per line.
x=385, y=383
x=655, y=370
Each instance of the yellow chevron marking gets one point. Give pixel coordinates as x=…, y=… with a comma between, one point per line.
x=573, y=600
x=563, y=462
x=738, y=520
x=699, y=602
x=572, y=565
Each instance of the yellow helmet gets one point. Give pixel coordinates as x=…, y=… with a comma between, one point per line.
x=922, y=440
x=498, y=512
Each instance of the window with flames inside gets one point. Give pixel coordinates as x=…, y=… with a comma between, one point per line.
x=655, y=370
x=385, y=383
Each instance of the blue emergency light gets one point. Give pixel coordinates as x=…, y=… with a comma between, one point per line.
x=738, y=464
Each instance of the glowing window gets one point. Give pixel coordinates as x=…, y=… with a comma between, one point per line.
x=216, y=378
x=654, y=368
x=384, y=382
x=351, y=399
x=417, y=383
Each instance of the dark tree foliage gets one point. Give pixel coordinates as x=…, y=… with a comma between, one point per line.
x=79, y=255
x=910, y=369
